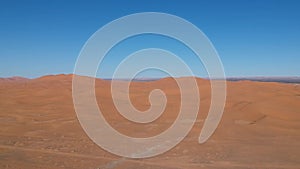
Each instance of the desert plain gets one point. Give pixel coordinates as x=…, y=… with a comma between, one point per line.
x=260, y=126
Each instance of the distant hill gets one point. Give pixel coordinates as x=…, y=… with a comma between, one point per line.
x=284, y=79
x=14, y=79
x=267, y=79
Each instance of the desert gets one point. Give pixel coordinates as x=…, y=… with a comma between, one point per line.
x=39, y=129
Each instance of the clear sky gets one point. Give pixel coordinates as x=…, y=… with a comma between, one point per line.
x=252, y=37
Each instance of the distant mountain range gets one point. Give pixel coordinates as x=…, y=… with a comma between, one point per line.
x=14, y=79
x=283, y=79
x=267, y=79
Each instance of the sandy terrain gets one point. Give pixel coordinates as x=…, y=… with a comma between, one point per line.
x=39, y=130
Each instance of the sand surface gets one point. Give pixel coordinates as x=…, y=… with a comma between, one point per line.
x=260, y=127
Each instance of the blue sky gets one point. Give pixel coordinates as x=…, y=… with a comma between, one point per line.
x=253, y=38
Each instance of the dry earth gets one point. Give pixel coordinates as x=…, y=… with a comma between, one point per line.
x=39, y=130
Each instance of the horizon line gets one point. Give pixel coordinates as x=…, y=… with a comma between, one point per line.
x=262, y=78
x=203, y=77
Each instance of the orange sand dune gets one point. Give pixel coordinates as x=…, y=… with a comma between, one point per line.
x=260, y=126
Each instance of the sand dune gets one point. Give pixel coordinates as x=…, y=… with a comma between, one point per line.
x=260, y=127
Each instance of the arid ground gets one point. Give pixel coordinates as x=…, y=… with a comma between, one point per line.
x=260, y=127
